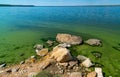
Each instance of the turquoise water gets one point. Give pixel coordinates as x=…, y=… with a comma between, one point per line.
x=22, y=27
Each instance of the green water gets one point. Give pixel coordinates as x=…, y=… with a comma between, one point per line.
x=22, y=27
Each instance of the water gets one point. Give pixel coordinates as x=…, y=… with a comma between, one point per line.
x=22, y=27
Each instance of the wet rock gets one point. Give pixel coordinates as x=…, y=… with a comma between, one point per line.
x=69, y=39
x=2, y=65
x=87, y=63
x=81, y=57
x=94, y=42
x=64, y=45
x=61, y=54
x=99, y=72
x=92, y=74
x=38, y=47
x=76, y=74
x=42, y=52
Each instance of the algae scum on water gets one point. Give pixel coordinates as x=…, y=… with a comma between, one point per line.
x=23, y=27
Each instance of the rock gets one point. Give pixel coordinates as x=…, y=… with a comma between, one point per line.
x=72, y=63
x=9, y=71
x=76, y=74
x=61, y=54
x=2, y=65
x=44, y=64
x=42, y=52
x=30, y=60
x=87, y=63
x=99, y=72
x=63, y=64
x=69, y=39
x=15, y=70
x=81, y=57
x=22, y=62
x=38, y=47
x=32, y=74
x=92, y=74
x=93, y=42
x=64, y=45
x=50, y=42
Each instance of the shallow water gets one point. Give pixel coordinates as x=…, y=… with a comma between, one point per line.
x=22, y=27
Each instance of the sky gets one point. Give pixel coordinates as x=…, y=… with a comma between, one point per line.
x=61, y=2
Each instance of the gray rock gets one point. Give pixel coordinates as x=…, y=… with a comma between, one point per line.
x=81, y=57
x=38, y=47
x=94, y=42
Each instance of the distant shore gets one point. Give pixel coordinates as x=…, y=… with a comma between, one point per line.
x=8, y=5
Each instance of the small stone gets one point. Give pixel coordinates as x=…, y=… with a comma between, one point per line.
x=81, y=57
x=22, y=62
x=87, y=63
x=92, y=74
x=64, y=45
x=15, y=70
x=72, y=63
x=99, y=72
x=50, y=42
x=42, y=52
x=76, y=74
x=38, y=47
x=2, y=65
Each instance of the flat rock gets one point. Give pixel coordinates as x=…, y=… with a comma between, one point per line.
x=93, y=42
x=87, y=63
x=69, y=39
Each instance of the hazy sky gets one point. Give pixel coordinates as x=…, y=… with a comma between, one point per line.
x=61, y=2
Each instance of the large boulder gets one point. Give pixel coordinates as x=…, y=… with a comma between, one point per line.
x=76, y=74
x=61, y=54
x=99, y=72
x=42, y=52
x=94, y=42
x=69, y=39
x=87, y=63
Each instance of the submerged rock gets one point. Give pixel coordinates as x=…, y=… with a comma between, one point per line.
x=38, y=47
x=87, y=63
x=42, y=52
x=93, y=42
x=69, y=39
x=61, y=54
x=50, y=42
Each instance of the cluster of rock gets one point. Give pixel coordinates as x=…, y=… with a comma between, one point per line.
x=61, y=58
x=69, y=65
